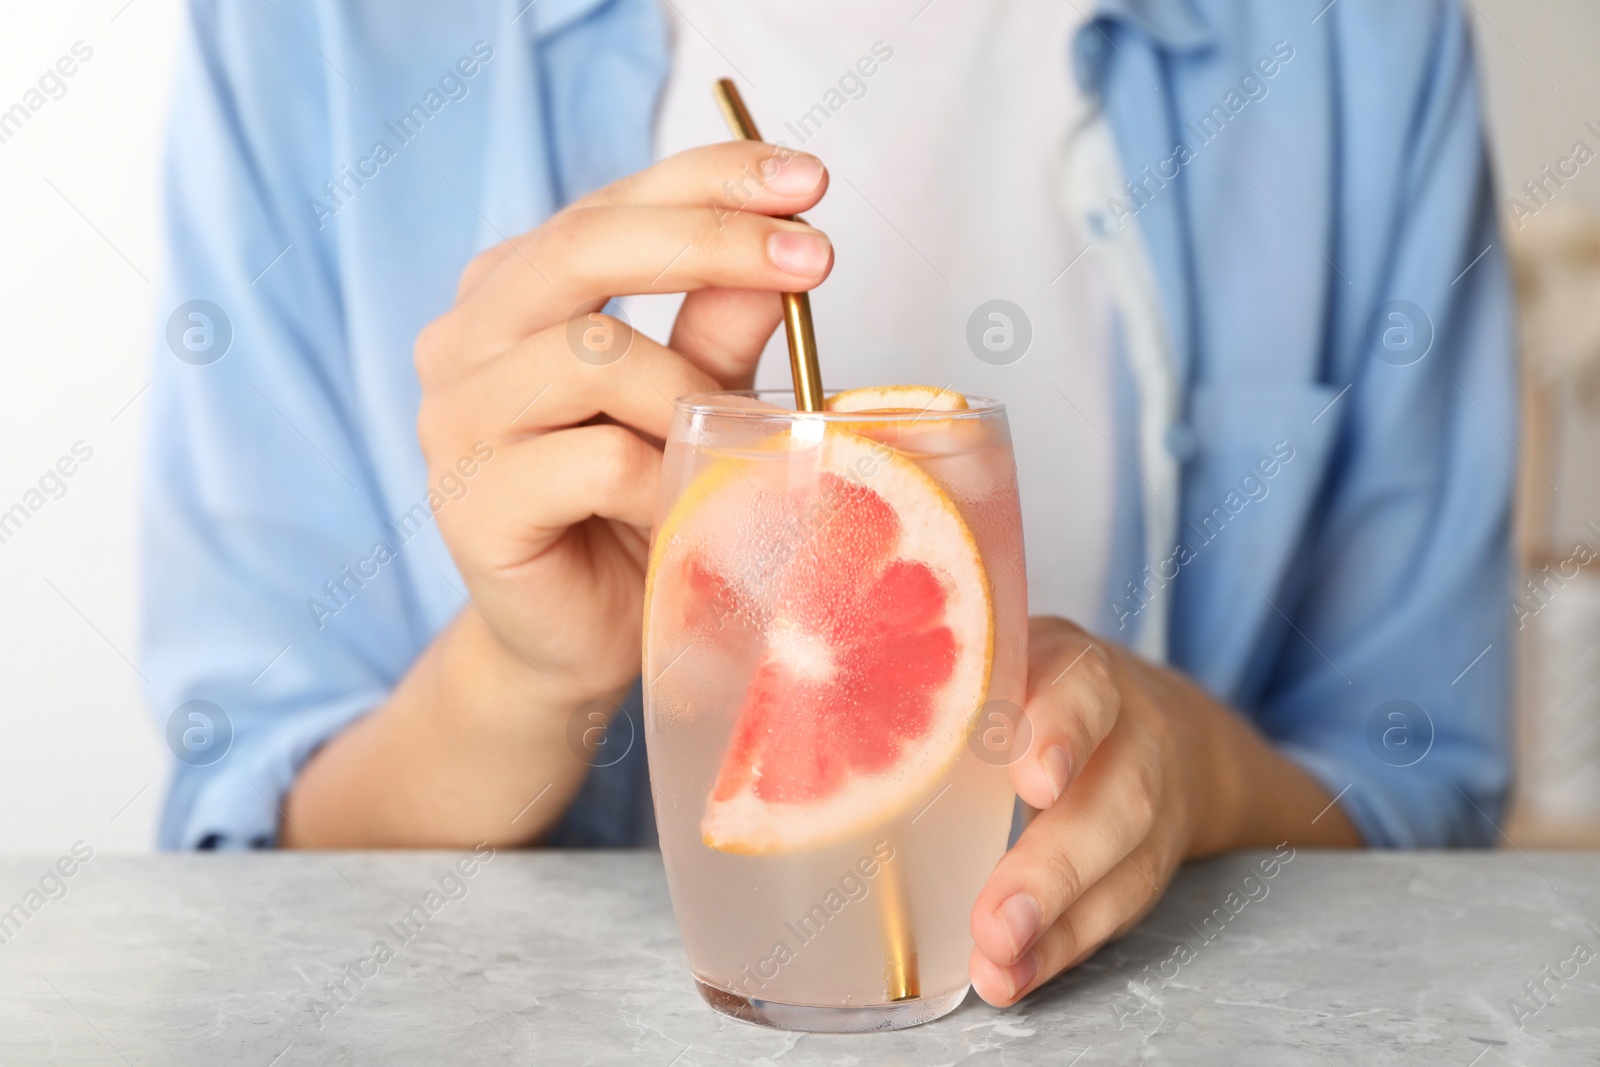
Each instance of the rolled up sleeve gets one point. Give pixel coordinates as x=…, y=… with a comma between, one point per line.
x=1397, y=697
x=256, y=489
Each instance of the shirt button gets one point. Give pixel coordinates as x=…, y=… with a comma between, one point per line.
x=1182, y=442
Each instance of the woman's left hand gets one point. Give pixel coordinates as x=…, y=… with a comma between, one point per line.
x=1134, y=769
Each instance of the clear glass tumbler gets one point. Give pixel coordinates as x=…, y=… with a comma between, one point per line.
x=834, y=659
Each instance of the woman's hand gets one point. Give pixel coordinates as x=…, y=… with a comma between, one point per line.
x=1133, y=769
x=559, y=414
x=552, y=539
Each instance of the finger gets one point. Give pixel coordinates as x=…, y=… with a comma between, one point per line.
x=583, y=257
x=554, y=379
x=1106, y=910
x=1070, y=846
x=729, y=176
x=481, y=266
x=1073, y=703
x=723, y=332
x=530, y=491
x=724, y=178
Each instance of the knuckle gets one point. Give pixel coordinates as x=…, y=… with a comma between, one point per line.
x=1097, y=665
x=1144, y=793
x=543, y=353
x=1072, y=628
x=1086, y=701
x=479, y=268
x=1141, y=805
x=712, y=227
x=1099, y=684
x=428, y=426
x=590, y=342
x=1148, y=895
x=616, y=457
x=1081, y=739
x=1066, y=942
x=1048, y=629
x=1062, y=876
x=613, y=326
x=1159, y=729
x=621, y=191
x=1143, y=896
x=562, y=237
x=704, y=236
x=431, y=352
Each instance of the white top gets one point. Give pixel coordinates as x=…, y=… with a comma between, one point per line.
x=947, y=165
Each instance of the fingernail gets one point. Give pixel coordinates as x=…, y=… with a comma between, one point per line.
x=799, y=251
x=1057, y=768
x=1020, y=914
x=793, y=176
x=1019, y=974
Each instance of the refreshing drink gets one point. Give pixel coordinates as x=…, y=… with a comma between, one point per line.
x=835, y=602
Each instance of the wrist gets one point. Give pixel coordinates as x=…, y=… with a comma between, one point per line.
x=1226, y=816
x=468, y=739
x=486, y=690
x=1220, y=792
x=1256, y=797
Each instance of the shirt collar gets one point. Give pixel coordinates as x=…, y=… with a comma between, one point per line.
x=546, y=18
x=1172, y=25
x=1175, y=25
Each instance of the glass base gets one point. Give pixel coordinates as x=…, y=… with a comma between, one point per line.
x=841, y=1019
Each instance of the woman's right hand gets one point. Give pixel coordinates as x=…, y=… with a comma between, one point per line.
x=552, y=534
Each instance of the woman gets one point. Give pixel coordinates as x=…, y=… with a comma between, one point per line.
x=1254, y=335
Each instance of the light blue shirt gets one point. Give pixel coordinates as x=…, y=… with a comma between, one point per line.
x=1332, y=290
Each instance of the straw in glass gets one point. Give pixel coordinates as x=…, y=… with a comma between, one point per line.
x=900, y=966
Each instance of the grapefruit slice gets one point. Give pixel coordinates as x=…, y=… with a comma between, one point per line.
x=872, y=626
x=896, y=398
x=920, y=402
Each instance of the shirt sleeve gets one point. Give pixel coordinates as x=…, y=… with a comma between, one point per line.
x=1396, y=698
x=255, y=485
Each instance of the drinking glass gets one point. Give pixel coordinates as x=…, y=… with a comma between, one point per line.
x=835, y=639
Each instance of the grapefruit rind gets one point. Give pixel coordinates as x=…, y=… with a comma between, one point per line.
x=681, y=511
x=908, y=412
x=897, y=399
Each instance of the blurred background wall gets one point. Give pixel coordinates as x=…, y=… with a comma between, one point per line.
x=78, y=263
x=78, y=256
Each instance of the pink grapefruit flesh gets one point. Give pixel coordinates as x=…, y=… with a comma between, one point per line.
x=874, y=632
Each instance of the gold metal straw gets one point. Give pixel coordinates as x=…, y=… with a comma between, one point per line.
x=796, y=306
x=900, y=966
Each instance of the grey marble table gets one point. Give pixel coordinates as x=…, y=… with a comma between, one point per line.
x=573, y=958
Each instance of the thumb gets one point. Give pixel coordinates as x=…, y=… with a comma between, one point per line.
x=722, y=331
